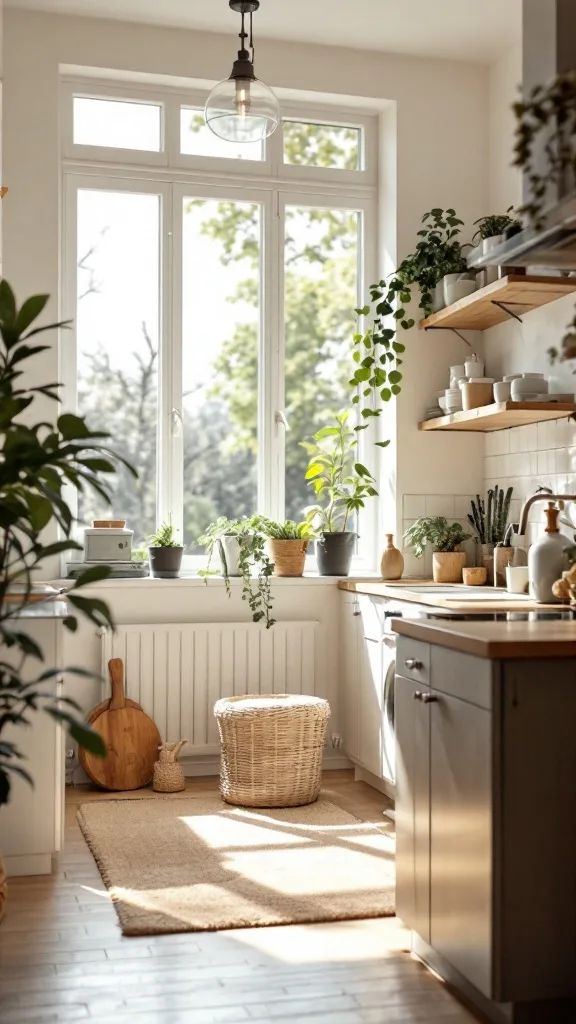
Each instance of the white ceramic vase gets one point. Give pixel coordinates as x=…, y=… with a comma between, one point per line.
x=230, y=548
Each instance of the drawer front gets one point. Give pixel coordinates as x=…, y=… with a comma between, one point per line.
x=462, y=675
x=413, y=659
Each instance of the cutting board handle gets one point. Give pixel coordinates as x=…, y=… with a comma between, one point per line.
x=116, y=670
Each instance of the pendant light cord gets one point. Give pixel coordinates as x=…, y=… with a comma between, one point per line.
x=251, y=40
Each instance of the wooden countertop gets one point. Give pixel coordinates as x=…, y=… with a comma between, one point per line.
x=400, y=589
x=495, y=639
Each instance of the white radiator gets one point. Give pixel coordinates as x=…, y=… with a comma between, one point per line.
x=178, y=672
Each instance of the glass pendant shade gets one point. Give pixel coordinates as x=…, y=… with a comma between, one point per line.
x=242, y=109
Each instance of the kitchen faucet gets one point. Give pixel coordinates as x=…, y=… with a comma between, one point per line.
x=544, y=496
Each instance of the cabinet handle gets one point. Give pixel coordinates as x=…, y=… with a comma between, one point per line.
x=429, y=698
x=417, y=695
x=356, y=613
x=413, y=663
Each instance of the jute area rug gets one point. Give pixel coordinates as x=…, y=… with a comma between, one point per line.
x=198, y=864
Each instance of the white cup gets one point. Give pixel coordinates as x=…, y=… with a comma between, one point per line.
x=516, y=579
x=502, y=391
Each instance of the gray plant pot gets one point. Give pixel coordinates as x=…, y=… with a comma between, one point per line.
x=165, y=562
x=334, y=553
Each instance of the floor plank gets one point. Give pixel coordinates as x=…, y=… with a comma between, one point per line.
x=64, y=958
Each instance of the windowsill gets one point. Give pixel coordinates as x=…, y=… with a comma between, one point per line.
x=215, y=581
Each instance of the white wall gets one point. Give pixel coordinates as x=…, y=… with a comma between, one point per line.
x=530, y=456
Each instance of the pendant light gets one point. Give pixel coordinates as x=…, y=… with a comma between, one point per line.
x=242, y=109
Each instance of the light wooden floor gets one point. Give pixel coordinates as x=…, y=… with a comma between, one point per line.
x=63, y=957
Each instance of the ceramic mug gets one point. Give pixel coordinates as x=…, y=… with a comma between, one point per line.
x=517, y=579
x=502, y=391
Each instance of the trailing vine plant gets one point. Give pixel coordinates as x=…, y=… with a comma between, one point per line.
x=377, y=352
x=251, y=536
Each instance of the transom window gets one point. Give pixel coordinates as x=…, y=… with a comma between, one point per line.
x=213, y=319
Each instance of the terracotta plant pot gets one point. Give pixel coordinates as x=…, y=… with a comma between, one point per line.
x=392, y=564
x=289, y=556
x=447, y=566
x=475, y=576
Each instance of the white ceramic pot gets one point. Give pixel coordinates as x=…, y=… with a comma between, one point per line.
x=491, y=243
x=502, y=391
x=456, y=374
x=474, y=367
x=447, y=281
x=547, y=559
x=457, y=290
x=511, y=376
x=230, y=547
x=438, y=297
x=528, y=386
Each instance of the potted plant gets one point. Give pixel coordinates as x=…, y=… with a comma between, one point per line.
x=288, y=543
x=38, y=463
x=490, y=520
x=343, y=484
x=165, y=553
x=241, y=545
x=447, y=559
x=494, y=228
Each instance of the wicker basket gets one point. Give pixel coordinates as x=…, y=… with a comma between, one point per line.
x=271, y=746
x=289, y=556
x=168, y=773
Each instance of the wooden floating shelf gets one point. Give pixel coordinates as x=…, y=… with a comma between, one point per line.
x=500, y=416
x=520, y=293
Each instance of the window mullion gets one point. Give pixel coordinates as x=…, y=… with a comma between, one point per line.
x=270, y=447
x=170, y=441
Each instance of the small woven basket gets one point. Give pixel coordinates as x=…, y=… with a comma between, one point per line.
x=271, y=749
x=168, y=774
x=289, y=556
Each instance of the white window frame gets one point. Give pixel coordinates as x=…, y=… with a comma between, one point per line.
x=174, y=176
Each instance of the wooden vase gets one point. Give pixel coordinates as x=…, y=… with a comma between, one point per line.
x=447, y=566
x=392, y=564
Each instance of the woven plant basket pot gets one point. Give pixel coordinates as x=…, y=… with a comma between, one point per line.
x=289, y=556
x=271, y=747
x=3, y=888
x=168, y=777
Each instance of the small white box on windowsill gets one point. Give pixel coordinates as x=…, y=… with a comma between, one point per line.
x=107, y=544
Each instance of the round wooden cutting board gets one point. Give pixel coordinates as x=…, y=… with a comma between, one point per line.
x=131, y=739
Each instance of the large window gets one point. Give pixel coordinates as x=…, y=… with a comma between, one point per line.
x=213, y=302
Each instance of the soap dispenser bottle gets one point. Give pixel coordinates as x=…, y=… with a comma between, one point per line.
x=547, y=559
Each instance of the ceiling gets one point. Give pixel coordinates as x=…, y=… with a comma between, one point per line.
x=438, y=28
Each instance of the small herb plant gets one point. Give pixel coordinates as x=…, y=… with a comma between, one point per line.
x=342, y=483
x=436, y=531
x=251, y=553
x=377, y=352
x=496, y=224
x=164, y=536
x=491, y=519
x=288, y=530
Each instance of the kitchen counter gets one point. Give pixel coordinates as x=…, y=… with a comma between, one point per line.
x=400, y=590
x=497, y=640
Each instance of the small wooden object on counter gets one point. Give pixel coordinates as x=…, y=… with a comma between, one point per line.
x=447, y=566
x=168, y=773
x=474, y=576
x=502, y=558
x=131, y=739
x=392, y=564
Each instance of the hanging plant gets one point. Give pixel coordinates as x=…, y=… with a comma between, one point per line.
x=551, y=109
x=377, y=352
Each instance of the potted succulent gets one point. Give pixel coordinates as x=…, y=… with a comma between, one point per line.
x=241, y=546
x=343, y=484
x=490, y=520
x=288, y=543
x=165, y=553
x=447, y=559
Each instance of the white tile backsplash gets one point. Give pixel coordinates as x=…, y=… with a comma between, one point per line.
x=440, y=505
x=414, y=506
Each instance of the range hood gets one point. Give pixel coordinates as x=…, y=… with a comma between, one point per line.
x=548, y=49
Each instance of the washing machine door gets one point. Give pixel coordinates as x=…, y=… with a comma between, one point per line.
x=388, y=729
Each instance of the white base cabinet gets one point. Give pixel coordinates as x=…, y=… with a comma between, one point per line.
x=362, y=657
x=32, y=823
x=485, y=817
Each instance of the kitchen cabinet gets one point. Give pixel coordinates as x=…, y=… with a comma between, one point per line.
x=483, y=749
x=362, y=681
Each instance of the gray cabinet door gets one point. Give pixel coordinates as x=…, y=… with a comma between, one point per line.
x=412, y=806
x=461, y=837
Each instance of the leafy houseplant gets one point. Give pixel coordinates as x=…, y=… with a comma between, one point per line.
x=377, y=351
x=288, y=542
x=37, y=462
x=165, y=552
x=343, y=484
x=447, y=560
x=496, y=224
x=241, y=545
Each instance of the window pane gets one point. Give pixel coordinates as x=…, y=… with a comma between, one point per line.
x=322, y=145
x=196, y=139
x=221, y=271
x=121, y=125
x=321, y=258
x=117, y=339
